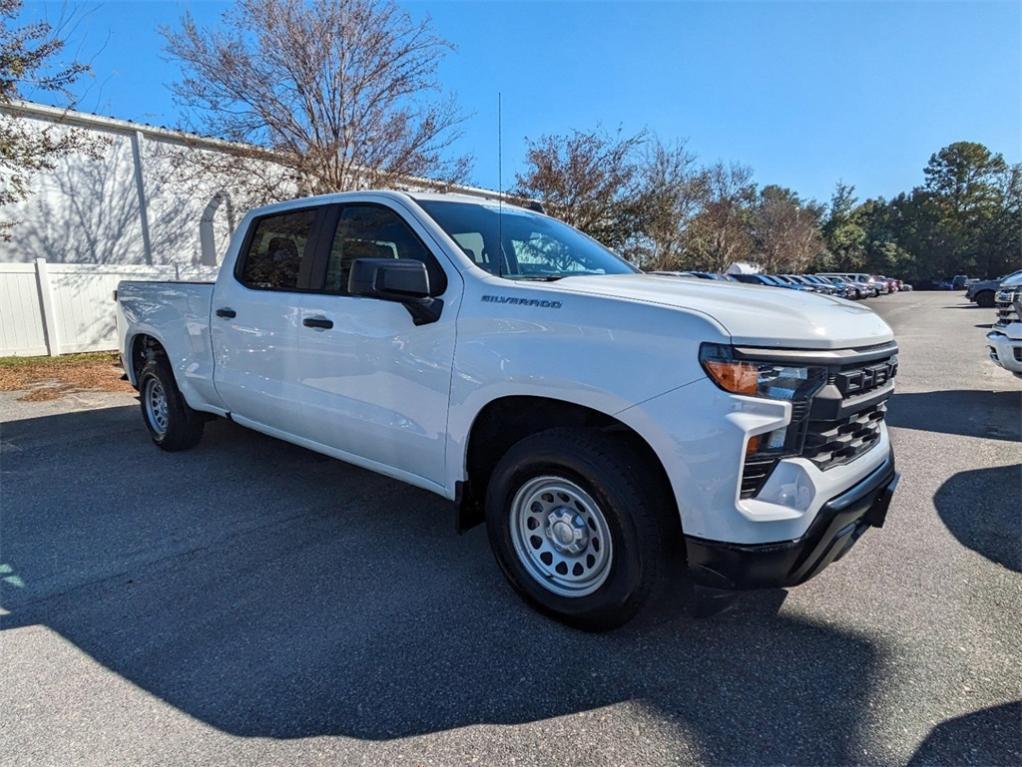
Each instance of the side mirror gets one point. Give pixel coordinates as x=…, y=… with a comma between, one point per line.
x=403, y=280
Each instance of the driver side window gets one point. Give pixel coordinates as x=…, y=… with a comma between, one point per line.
x=375, y=231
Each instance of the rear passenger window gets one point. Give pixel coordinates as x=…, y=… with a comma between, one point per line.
x=275, y=251
x=373, y=231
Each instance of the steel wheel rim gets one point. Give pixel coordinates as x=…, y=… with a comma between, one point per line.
x=155, y=399
x=561, y=536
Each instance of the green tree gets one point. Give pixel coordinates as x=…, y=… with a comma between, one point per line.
x=961, y=200
x=965, y=218
x=844, y=237
x=786, y=230
x=1001, y=239
x=884, y=226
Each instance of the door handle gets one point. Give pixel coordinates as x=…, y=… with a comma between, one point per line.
x=318, y=322
x=225, y=312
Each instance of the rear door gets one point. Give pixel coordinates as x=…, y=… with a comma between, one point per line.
x=373, y=384
x=255, y=320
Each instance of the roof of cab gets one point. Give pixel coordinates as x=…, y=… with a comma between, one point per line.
x=392, y=194
x=471, y=199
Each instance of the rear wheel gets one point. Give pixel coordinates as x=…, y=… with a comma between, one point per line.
x=577, y=526
x=171, y=423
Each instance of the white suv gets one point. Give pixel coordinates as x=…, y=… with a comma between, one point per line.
x=1004, y=341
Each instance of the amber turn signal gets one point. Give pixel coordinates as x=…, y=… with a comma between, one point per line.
x=736, y=377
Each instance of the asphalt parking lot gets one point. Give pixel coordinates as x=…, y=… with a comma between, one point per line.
x=251, y=602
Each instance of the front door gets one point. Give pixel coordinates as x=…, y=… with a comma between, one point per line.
x=255, y=320
x=373, y=384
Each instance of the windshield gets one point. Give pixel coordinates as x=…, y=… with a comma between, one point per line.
x=532, y=246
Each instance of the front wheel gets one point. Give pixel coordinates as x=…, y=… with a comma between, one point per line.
x=577, y=526
x=985, y=299
x=172, y=424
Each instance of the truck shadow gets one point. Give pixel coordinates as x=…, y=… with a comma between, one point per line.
x=270, y=592
x=993, y=527
x=968, y=412
x=989, y=736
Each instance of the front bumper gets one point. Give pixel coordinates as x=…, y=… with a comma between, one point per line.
x=835, y=529
x=1005, y=350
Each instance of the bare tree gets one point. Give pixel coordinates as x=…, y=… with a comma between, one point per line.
x=672, y=193
x=343, y=93
x=29, y=59
x=590, y=179
x=786, y=230
x=719, y=234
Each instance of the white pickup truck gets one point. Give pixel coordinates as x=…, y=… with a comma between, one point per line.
x=600, y=420
x=1004, y=341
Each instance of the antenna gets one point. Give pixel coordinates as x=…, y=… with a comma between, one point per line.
x=500, y=192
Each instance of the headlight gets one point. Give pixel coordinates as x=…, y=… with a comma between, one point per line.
x=753, y=378
x=741, y=373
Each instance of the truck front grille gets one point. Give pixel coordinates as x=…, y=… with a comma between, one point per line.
x=841, y=420
x=844, y=424
x=834, y=443
x=1007, y=308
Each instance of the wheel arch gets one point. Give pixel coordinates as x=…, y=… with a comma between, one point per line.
x=140, y=348
x=508, y=419
x=985, y=298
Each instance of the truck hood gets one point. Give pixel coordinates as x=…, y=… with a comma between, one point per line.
x=751, y=314
x=1011, y=281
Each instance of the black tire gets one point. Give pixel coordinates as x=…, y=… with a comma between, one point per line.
x=630, y=499
x=183, y=427
x=985, y=299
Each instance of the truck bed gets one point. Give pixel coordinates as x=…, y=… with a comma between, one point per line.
x=177, y=314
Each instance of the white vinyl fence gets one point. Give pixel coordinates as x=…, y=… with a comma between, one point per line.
x=63, y=308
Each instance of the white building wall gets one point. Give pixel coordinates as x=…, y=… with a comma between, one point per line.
x=124, y=210
x=83, y=211
x=87, y=210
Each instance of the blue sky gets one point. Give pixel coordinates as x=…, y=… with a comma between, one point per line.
x=804, y=93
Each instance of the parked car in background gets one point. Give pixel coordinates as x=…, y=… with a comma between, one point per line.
x=758, y=279
x=983, y=292
x=593, y=416
x=711, y=276
x=959, y=282
x=785, y=281
x=1004, y=341
x=819, y=281
x=883, y=285
x=801, y=279
x=853, y=290
x=866, y=280
x=696, y=275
